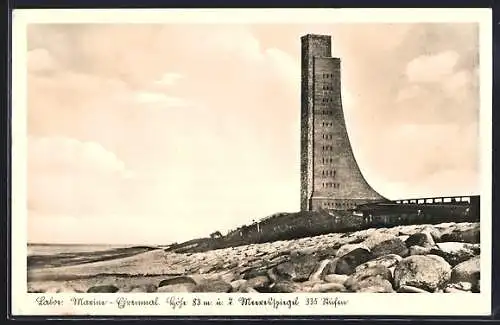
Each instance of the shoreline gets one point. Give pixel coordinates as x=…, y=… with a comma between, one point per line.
x=410, y=258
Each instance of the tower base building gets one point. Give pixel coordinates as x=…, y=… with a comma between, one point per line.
x=330, y=176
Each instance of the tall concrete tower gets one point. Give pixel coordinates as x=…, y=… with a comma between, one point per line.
x=330, y=176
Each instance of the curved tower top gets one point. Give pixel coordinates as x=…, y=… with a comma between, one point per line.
x=330, y=175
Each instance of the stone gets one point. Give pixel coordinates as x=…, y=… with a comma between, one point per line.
x=347, y=263
x=258, y=282
x=427, y=272
x=285, y=271
x=330, y=267
x=145, y=288
x=255, y=272
x=328, y=287
x=377, y=238
x=390, y=246
x=423, y=239
x=434, y=232
x=285, y=286
x=178, y=287
x=237, y=284
x=248, y=289
x=388, y=261
x=303, y=251
x=103, y=289
x=304, y=266
x=471, y=235
x=213, y=286
x=454, y=290
x=403, y=237
x=375, y=271
x=61, y=289
x=468, y=271
x=177, y=280
x=207, y=269
x=320, y=270
x=271, y=273
x=229, y=276
x=336, y=278
x=410, y=289
x=419, y=250
x=456, y=252
x=307, y=286
x=372, y=285
x=463, y=286
x=326, y=253
x=347, y=248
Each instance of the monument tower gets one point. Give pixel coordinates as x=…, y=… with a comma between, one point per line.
x=330, y=176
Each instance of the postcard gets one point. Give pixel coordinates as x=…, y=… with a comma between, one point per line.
x=249, y=162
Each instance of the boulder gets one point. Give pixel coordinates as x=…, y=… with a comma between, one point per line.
x=403, y=237
x=285, y=271
x=336, y=278
x=61, y=289
x=434, y=232
x=307, y=286
x=285, y=286
x=410, y=289
x=454, y=290
x=304, y=266
x=347, y=263
x=254, y=272
x=249, y=290
x=423, y=239
x=377, y=238
x=326, y=253
x=179, y=287
x=468, y=271
x=347, y=248
x=103, y=289
x=229, y=276
x=259, y=282
x=322, y=268
x=461, y=286
x=177, y=280
x=237, y=284
x=390, y=246
x=427, y=272
x=456, y=252
x=375, y=271
x=419, y=250
x=145, y=288
x=328, y=287
x=213, y=286
x=372, y=285
x=302, y=252
x=388, y=261
x=471, y=235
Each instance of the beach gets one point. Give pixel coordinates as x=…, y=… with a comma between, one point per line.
x=411, y=258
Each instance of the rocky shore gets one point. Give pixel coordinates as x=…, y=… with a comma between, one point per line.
x=407, y=259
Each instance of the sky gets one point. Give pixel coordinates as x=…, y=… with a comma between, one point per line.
x=158, y=133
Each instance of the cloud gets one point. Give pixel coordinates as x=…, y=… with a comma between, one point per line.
x=40, y=60
x=146, y=97
x=169, y=79
x=66, y=153
x=67, y=176
x=432, y=68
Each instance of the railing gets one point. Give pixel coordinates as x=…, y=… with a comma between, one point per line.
x=434, y=200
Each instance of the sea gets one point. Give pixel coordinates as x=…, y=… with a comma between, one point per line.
x=56, y=255
x=54, y=249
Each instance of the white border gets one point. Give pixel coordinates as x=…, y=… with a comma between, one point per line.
x=359, y=304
